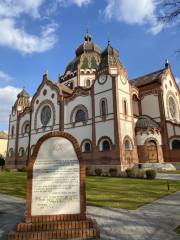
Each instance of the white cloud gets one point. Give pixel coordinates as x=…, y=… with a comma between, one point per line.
x=19, y=39
x=134, y=12
x=4, y=77
x=14, y=8
x=178, y=81
x=8, y=97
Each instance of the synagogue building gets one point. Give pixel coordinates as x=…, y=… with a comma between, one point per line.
x=118, y=122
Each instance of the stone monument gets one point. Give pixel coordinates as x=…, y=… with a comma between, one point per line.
x=56, y=204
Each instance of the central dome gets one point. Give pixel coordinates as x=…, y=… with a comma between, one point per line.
x=87, y=57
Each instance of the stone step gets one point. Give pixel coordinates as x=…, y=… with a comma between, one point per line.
x=48, y=226
x=57, y=234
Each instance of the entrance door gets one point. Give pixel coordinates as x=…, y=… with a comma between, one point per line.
x=152, y=151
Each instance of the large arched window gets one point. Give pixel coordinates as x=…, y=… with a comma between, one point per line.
x=80, y=116
x=176, y=144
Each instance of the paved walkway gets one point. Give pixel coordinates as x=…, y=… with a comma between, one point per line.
x=154, y=221
x=168, y=176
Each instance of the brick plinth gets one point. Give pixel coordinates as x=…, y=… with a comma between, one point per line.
x=84, y=229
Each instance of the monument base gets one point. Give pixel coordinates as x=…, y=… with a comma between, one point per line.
x=77, y=229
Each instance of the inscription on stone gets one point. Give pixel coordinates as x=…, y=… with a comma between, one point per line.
x=56, y=179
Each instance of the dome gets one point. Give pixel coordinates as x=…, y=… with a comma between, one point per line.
x=146, y=122
x=90, y=50
x=109, y=57
x=22, y=99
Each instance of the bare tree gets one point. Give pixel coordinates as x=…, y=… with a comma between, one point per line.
x=170, y=11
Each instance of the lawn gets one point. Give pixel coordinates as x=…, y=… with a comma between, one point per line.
x=102, y=191
x=171, y=172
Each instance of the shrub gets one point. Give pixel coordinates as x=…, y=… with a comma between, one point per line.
x=134, y=173
x=2, y=161
x=113, y=172
x=150, y=174
x=7, y=169
x=23, y=169
x=130, y=172
x=98, y=171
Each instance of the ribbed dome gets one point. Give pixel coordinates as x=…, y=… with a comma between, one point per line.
x=145, y=122
x=109, y=57
x=22, y=99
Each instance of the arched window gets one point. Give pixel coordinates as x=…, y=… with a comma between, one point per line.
x=106, y=145
x=88, y=83
x=127, y=145
x=12, y=131
x=103, y=107
x=87, y=147
x=125, y=107
x=11, y=152
x=71, y=85
x=176, y=144
x=27, y=128
x=80, y=116
x=21, y=152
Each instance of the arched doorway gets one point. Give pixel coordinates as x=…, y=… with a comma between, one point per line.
x=152, y=151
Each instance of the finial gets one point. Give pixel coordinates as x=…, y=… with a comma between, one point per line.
x=45, y=75
x=166, y=63
x=108, y=38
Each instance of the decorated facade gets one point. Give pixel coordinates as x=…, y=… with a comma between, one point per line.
x=118, y=122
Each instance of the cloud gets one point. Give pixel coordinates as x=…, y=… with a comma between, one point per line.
x=14, y=8
x=8, y=97
x=178, y=81
x=5, y=77
x=134, y=12
x=19, y=39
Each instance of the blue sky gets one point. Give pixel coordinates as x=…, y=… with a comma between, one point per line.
x=40, y=34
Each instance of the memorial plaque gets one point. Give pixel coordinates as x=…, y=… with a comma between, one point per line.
x=56, y=206
x=56, y=179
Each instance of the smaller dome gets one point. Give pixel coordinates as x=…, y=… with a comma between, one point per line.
x=146, y=122
x=109, y=57
x=23, y=93
x=22, y=100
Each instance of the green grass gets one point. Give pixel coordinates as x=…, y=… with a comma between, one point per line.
x=13, y=183
x=177, y=230
x=171, y=171
x=102, y=191
x=126, y=193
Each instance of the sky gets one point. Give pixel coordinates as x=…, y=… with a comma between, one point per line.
x=40, y=35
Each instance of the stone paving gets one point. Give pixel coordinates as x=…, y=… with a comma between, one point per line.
x=155, y=221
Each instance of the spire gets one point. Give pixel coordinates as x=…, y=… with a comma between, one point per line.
x=45, y=75
x=87, y=36
x=166, y=63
